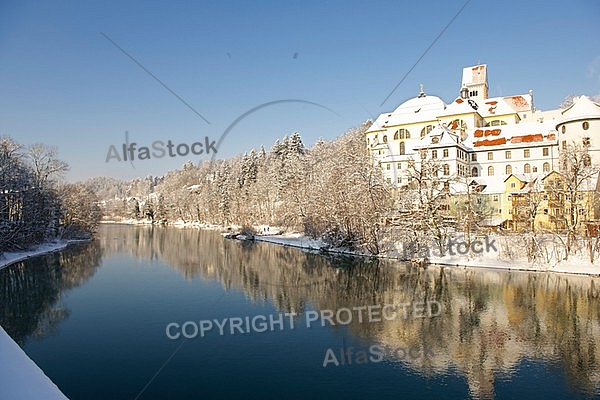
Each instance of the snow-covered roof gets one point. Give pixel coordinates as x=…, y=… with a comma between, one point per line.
x=417, y=109
x=440, y=136
x=582, y=108
x=513, y=135
x=492, y=185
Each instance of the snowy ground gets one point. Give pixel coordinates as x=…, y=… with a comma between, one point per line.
x=487, y=260
x=20, y=377
x=9, y=258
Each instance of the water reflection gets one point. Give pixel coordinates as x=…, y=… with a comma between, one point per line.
x=491, y=321
x=31, y=291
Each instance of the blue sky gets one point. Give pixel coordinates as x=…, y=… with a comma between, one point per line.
x=64, y=84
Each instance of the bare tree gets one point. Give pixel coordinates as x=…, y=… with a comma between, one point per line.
x=47, y=167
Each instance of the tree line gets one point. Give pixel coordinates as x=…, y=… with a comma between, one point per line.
x=35, y=206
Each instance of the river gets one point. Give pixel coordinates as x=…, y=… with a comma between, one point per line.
x=95, y=316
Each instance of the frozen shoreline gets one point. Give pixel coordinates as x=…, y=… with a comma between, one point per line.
x=20, y=376
x=10, y=258
x=575, y=265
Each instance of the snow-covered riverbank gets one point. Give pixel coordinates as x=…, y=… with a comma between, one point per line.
x=9, y=258
x=487, y=260
x=20, y=377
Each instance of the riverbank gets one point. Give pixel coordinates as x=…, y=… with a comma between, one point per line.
x=21, y=377
x=494, y=258
x=10, y=258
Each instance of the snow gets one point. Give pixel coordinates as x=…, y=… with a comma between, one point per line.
x=292, y=240
x=488, y=260
x=20, y=377
x=9, y=258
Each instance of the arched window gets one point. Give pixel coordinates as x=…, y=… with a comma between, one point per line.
x=527, y=169
x=475, y=172
x=401, y=134
x=490, y=171
x=402, y=148
x=546, y=167
x=384, y=138
x=446, y=169
x=426, y=130
x=508, y=170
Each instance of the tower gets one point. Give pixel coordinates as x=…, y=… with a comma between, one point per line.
x=474, y=82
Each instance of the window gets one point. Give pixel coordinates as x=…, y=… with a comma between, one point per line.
x=500, y=211
x=490, y=171
x=433, y=153
x=526, y=153
x=490, y=155
x=513, y=185
x=564, y=144
x=402, y=148
x=509, y=198
x=527, y=169
x=399, y=179
x=585, y=125
x=586, y=141
x=496, y=122
x=399, y=165
x=474, y=157
x=563, y=129
x=508, y=170
x=401, y=134
x=545, y=211
x=389, y=180
x=384, y=138
x=446, y=169
x=495, y=197
x=507, y=154
x=446, y=185
x=445, y=152
x=426, y=130
x=475, y=172
x=388, y=166
x=546, y=151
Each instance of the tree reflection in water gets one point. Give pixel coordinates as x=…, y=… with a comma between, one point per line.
x=491, y=321
x=31, y=291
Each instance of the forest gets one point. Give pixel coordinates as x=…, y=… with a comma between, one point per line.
x=35, y=204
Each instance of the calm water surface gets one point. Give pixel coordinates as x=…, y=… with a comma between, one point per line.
x=94, y=317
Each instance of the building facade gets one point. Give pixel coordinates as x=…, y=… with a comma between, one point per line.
x=498, y=145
